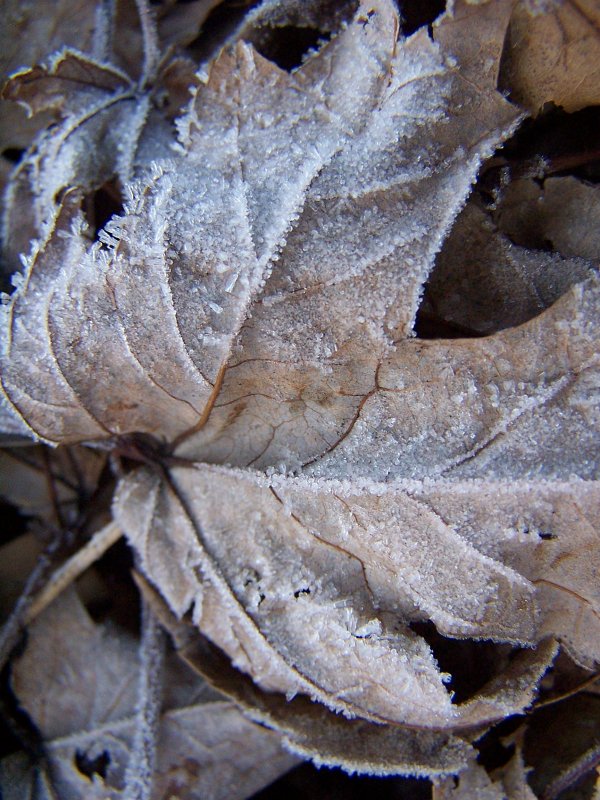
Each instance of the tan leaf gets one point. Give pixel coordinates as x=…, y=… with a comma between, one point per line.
x=241, y=306
x=320, y=483
x=310, y=729
x=552, y=54
x=77, y=681
x=565, y=213
x=308, y=584
x=482, y=282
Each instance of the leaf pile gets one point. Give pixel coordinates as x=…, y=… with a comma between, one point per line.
x=346, y=406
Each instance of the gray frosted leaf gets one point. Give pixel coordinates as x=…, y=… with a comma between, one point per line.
x=312, y=586
x=330, y=495
x=230, y=242
x=78, y=683
x=108, y=125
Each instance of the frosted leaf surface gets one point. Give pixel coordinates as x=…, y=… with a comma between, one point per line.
x=309, y=728
x=549, y=532
x=238, y=241
x=78, y=682
x=520, y=403
x=253, y=308
x=311, y=586
x=109, y=124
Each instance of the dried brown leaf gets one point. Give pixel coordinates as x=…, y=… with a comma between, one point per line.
x=552, y=54
x=78, y=683
x=253, y=310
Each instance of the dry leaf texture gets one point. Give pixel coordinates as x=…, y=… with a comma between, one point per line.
x=207, y=749
x=330, y=481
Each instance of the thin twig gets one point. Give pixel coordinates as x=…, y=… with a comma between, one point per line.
x=51, y=487
x=580, y=687
x=13, y=627
x=140, y=769
x=103, y=30
x=72, y=569
x=573, y=774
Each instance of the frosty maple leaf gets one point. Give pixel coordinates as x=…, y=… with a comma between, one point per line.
x=253, y=311
x=109, y=119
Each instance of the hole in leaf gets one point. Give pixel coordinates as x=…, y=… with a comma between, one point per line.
x=92, y=765
x=416, y=13
x=298, y=592
x=470, y=664
x=13, y=154
x=287, y=46
x=102, y=204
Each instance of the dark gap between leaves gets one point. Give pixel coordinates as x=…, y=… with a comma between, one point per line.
x=120, y=601
x=429, y=325
x=471, y=664
x=414, y=14
x=332, y=784
x=556, y=738
x=17, y=731
x=553, y=143
x=218, y=26
x=492, y=754
x=14, y=524
x=102, y=204
x=291, y=44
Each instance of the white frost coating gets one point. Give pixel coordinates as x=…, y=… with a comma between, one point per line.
x=304, y=574
x=86, y=703
x=259, y=292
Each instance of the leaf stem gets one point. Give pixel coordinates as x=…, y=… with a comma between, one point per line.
x=573, y=774
x=151, y=48
x=140, y=769
x=72, y=569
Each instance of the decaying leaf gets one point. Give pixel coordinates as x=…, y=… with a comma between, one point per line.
x=499, y=284
x=563, y=214
x=320, y=484
x=30, y=30
x=552, y=54
x=77, y=681
x=509, y=783
x=109, y=121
